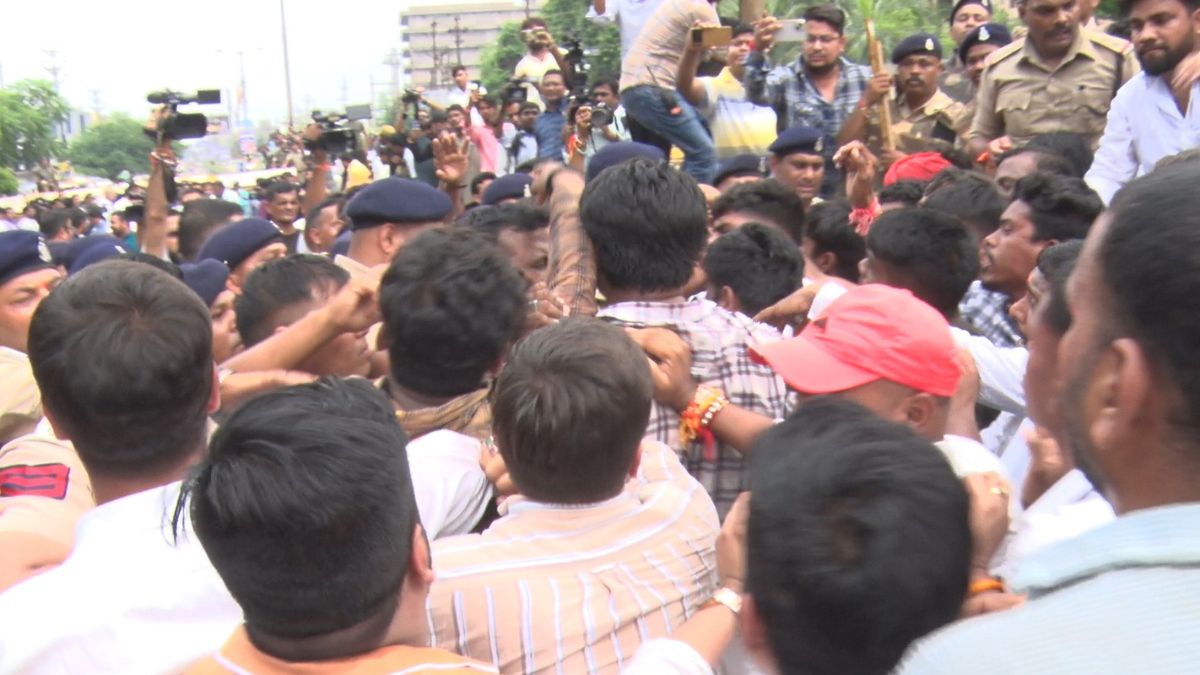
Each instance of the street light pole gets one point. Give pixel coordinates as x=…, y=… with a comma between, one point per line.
x=287, y=67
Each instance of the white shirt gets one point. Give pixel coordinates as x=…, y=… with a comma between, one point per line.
x=1144, y=125
x=1069, y=508
x=127, y=600
x=629, y=15
x=1001, y=371
x=451, y=489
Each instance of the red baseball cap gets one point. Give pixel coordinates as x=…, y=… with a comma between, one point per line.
x=873, y=332
x=918, y=166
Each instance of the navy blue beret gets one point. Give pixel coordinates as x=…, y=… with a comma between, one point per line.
x=986, y=4
x=341, y=245
x=987, y=34
x=237, y=241
x=22, y=252
x=101, y=247
x=206, y=278
x=66, y=252
x=739, y=165
x=512, y=186
x=921, y=43
x=397, y=200
x=620, y=152
x=798, y=139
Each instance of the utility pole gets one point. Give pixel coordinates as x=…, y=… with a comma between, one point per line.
x=393, y=59
x=437, y=60
x=287, y=67
x=54, y=69
x=95, y=104
x=458, y=40
x=345, y=93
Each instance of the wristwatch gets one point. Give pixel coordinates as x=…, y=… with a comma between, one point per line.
x=729, y=598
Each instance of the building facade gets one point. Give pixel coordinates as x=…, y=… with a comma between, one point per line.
x=439, y=36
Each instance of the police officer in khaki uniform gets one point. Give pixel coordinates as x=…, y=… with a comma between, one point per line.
x=43, y=486
x=924, y=118
x=1058, y=78
x=966, y=16
x=27, y=274
x=974, y=51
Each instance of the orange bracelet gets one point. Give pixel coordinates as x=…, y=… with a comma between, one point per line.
x=980, y=586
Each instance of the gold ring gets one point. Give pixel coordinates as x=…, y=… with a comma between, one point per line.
x=996, y=490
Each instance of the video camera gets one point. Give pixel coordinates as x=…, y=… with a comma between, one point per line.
x=177, y=125
x=576, y=57
x=514, y=91
x=339, y=131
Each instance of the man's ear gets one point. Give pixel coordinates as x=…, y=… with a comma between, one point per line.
x=420, y=560
x=60, y=432
x=728, y=299
x=920, y=412
x=214, y=397
x=826, y=262
x=637, y=462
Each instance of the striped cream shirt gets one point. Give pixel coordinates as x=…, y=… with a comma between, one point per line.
x=567, y=589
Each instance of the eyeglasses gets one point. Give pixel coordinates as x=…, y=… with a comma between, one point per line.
x=821, y=39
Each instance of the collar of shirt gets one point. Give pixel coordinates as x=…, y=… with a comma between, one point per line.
x=660, y=314
x=936, y=104
x=144, y=511
x=1163, y=536
x=13, y=354
x=1080, y=47
x=519, y=504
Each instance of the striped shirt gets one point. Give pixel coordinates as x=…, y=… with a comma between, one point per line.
x=1122, y=598
x=576, y=589
x=241, y=657
x=719, y=341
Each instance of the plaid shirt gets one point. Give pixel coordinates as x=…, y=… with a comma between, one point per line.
x=719, y=341
x=987, y=311
x=797, y=102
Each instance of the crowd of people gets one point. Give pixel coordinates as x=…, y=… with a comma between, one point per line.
x=896, y=372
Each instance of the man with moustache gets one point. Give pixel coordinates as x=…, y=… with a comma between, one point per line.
x=924, y=118
x=1130, y=398
x=1155, y=115
x=1059, y=77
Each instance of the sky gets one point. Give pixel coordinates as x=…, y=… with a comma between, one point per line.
x=120, y=50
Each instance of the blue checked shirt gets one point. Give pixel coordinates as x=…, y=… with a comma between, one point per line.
x=987, y=311
x=720, y=356
x=798, y=103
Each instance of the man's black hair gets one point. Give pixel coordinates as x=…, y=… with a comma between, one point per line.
x=768, y=200
x=1056, y=263
x=1060, y=207
x=906, y=192
x=279, y=187
x=758, y=263
x=491, y=220
x=122, y=354
x=828, y=227
x=830, y=14
x=153, y=261
x=53, y=222
x=454, y=71
x=454, y=107
x=478, y=180
x=1148, y=261
x=569, y=411
x=974, y=200
x=648, y=223
x=304, y=504
x=279, y=285
x=315, y=212
x=1069, y=146
x=1044, y=160
x=606, y=82
x=451, y=304
x=199, y=220
x=858, y=540
x=928, y=252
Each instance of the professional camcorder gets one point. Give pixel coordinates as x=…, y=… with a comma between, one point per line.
x=177, y=125
x=340, y=132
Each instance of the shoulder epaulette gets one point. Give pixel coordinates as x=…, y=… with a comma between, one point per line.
x=1110, y=42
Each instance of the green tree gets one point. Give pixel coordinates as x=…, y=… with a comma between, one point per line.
x=29, y=111
x=114, y=145
x=8, y=182
x=565, y=19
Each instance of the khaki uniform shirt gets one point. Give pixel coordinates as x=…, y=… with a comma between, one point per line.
x=934, y=126
x=20, y=399
x=954, y=81
x=1021, y=96
x=44, y=489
